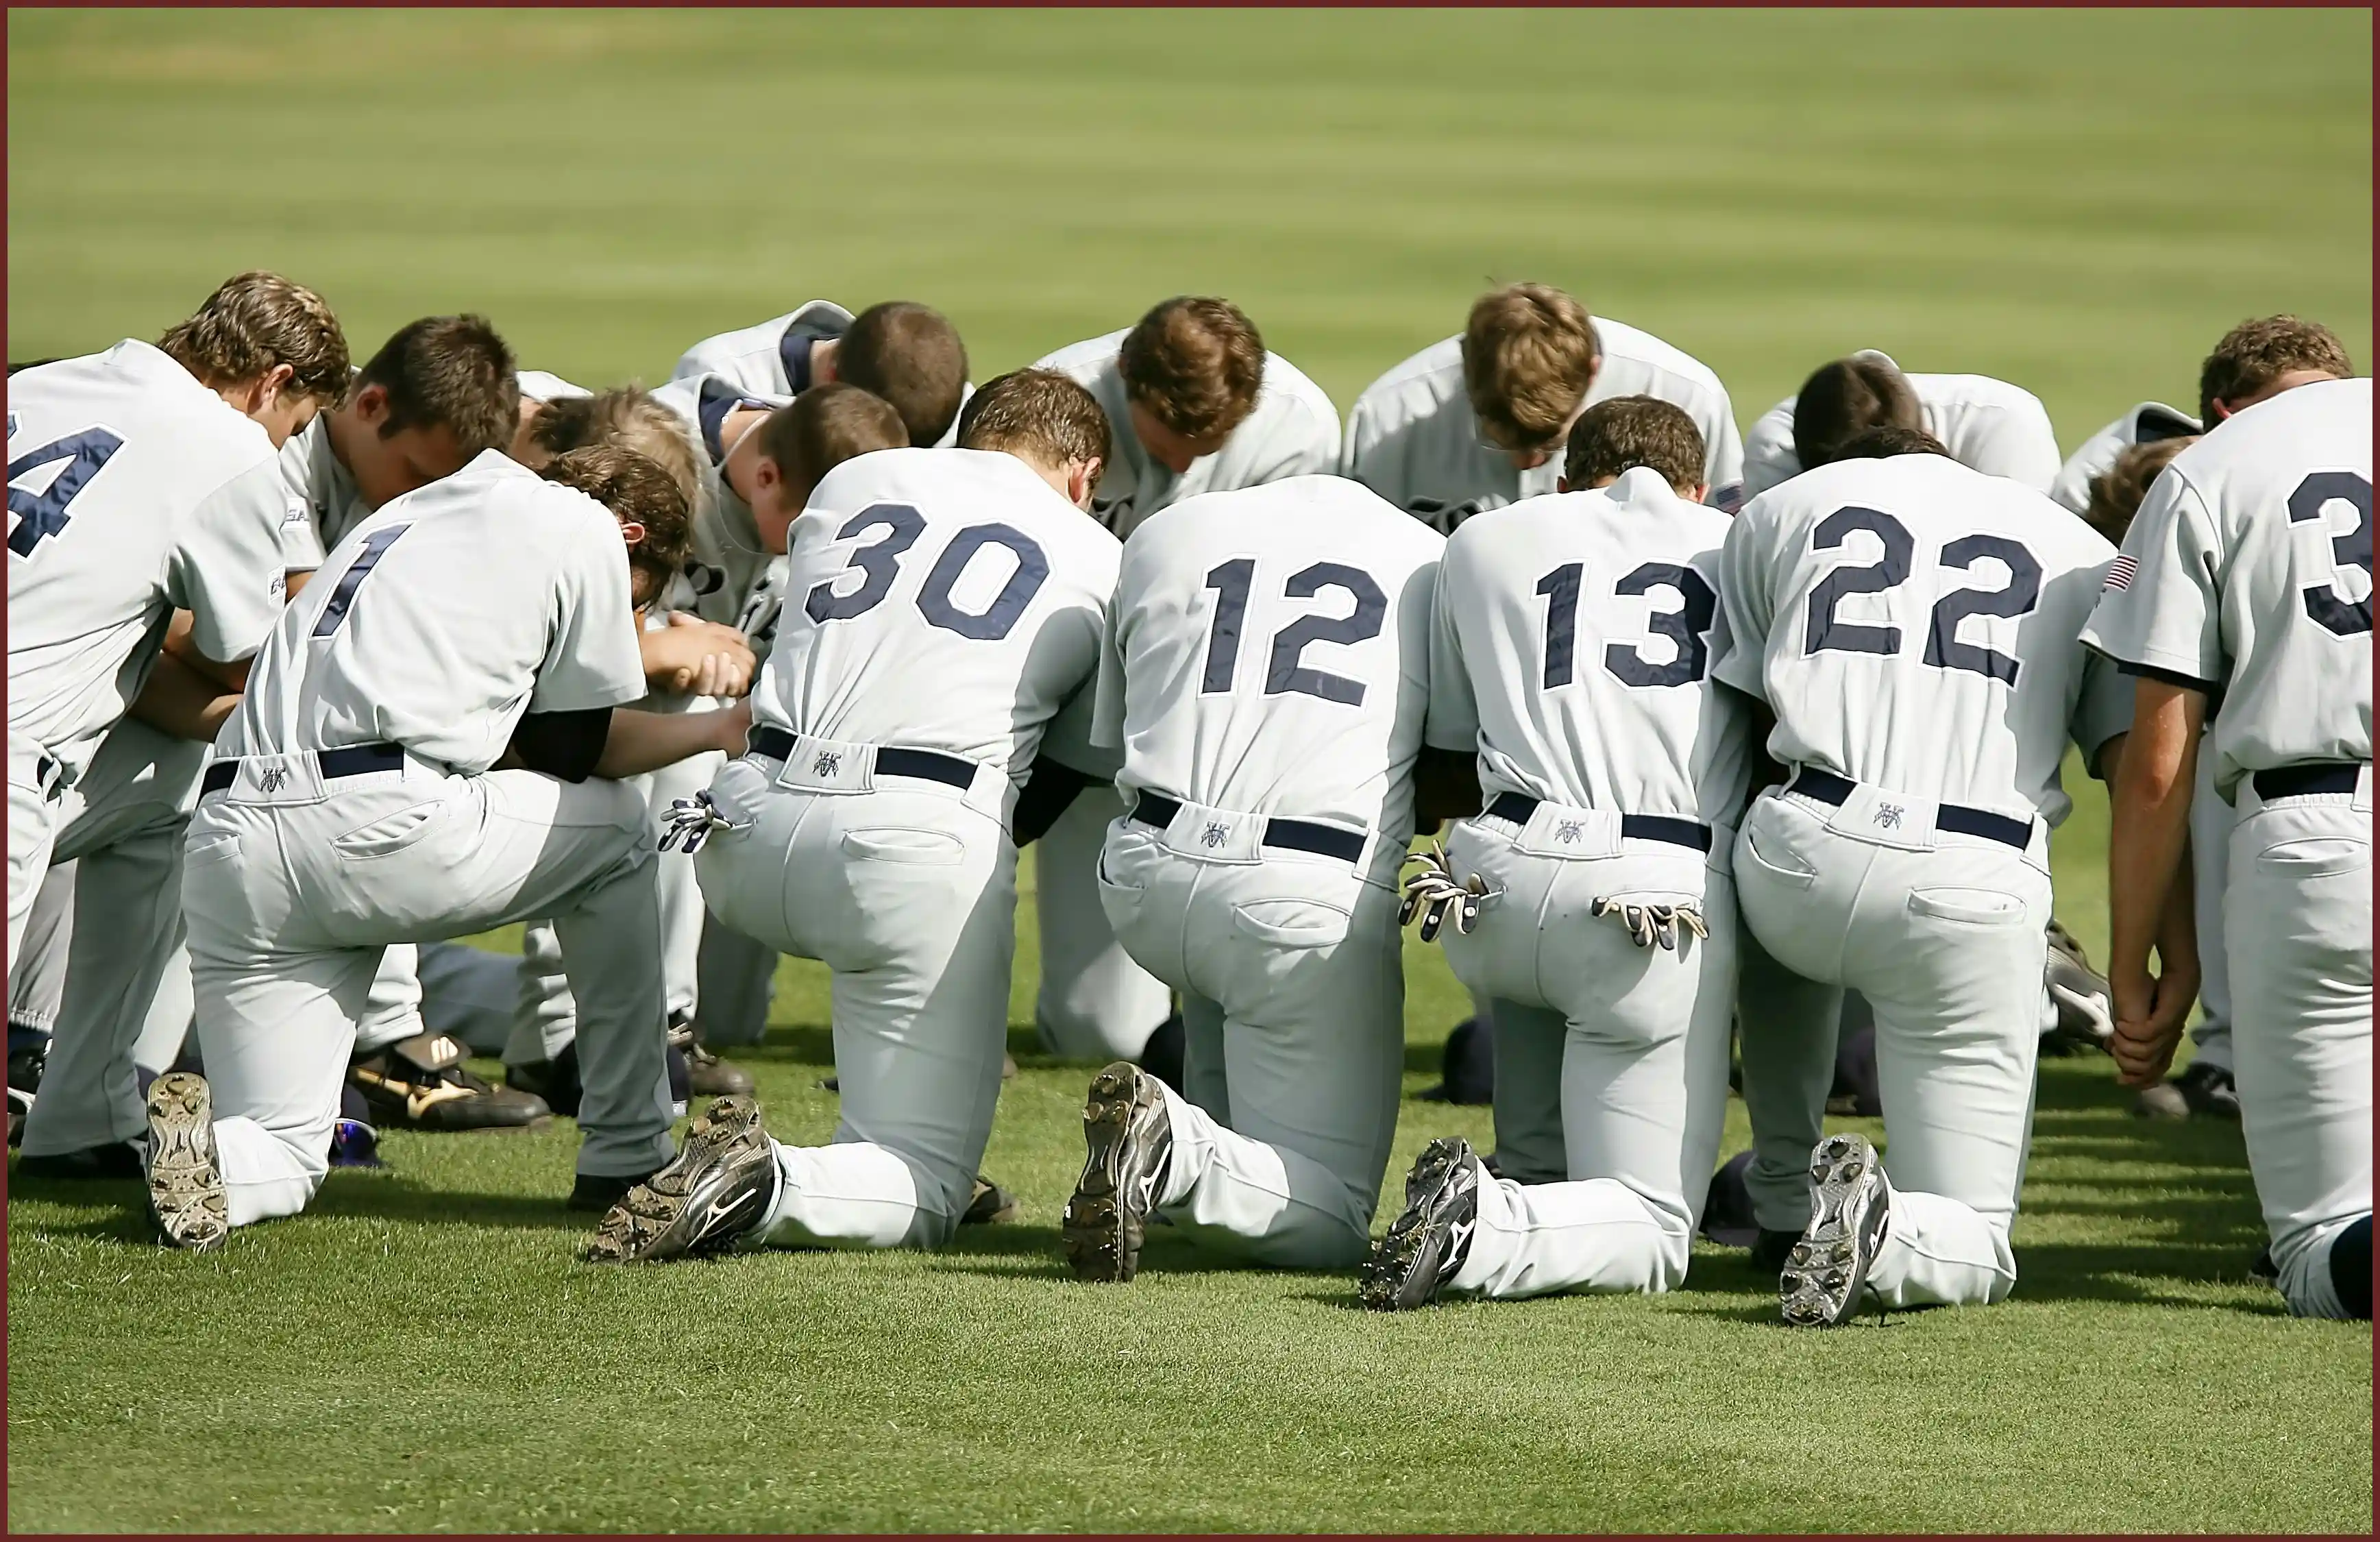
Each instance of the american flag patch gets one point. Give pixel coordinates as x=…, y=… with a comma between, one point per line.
x=2120, y=573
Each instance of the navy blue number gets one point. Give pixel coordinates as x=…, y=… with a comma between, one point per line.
x=880, y=562
x=1285, y=674
x=1943, y=649
x=43, y=514
x=375, y=545
x=1824, y=631
x=1684, y=627
x=1000, y=619
x=2323, y=602
x=1232, y=580
x=1561, y=590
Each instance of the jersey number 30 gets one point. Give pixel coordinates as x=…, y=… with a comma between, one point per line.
x=880, y=565
x=1943, y=649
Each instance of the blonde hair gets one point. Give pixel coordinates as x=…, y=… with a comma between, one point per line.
x=1529, y=355
x=629, y=418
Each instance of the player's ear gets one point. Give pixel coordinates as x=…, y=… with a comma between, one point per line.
x=1561, y=484
x=632, y=533
x=1700, y=492
x=1082, y=479
x=371, y=404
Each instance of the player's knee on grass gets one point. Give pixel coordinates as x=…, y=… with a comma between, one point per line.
x=2326, y=1271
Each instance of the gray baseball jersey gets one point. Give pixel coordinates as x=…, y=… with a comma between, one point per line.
x=943, y=600
x=542, y=385
x=2144, y=424
x=524, y=580
x=1270, y=655
x=1916, y=625
x=1413, y=438
x=771, y=359
x=133, y=490
x=2248, y=573
x=727, y=562
x=1293, y=431
x=1571, y=653
x=1997, y=428
x=321, y=489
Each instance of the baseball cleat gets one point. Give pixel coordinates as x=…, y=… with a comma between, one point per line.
x=1130, y=1140
x=186, y=1188
x=990, y=1205
x=1825, y=1274
x=1427, y=1244
x=717, y=1188
x=421, y=1084
x=706, y=1074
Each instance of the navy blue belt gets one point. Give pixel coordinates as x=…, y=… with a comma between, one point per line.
x=355, y=760
x=2305, y=780
x=1518, y=807
x=927, y=765
x=1827, y=787
x=1322, y=840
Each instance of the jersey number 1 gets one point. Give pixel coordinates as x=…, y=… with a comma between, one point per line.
x=343, y=598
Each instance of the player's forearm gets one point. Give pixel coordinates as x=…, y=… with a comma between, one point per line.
x=178, y=645
x=179, y=700
x=2151, y=827
x=640, y=742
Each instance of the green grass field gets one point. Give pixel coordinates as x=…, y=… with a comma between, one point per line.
x=2078, y=201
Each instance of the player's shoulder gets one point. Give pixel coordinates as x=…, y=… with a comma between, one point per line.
x=542, y=386
x=1296, y=391
x=1618, y=340
x=1975, y=392
x=722, y=349
x=1415, y=387
x=2326, y=425
x=138, y=387
x=1086, y=358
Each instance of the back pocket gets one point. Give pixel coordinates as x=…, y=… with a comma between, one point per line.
x=1291, y=923
x=915, y=848
x=390, y=834
x=1982, y=907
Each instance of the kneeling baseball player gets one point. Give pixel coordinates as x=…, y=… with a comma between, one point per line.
x=1590, y=898
x=428, y=747
x=928, y=693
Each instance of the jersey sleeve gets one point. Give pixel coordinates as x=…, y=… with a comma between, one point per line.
x=1724, y=461
x=2020, y=444
x=228, y=567
x=302, y=550
x=1303, y=442
x=1107, y=712
x=1738, y=639
x=1768, y=455
x=591, y=659
x=1454, y=721
x=2160, y=612
x=2103, y=709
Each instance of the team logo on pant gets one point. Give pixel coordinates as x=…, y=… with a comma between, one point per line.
x=1570, y=830
x=273, y=779
x=1889, y=815
x=827, y=764
x=1215, y=835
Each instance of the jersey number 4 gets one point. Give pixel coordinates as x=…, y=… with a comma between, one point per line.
x=1285, y=668
x=880, y=565
x=42, y=514
x=1943, y=649
x=1684, y=627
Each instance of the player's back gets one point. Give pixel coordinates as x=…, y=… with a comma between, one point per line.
x=942, y=600
x=2268, y=522
x=1271, y=654
x=1991, y=425
x=1915, y=625
x=1572, y=649
x=132, y=490
x=442, y=618
x=771, y=357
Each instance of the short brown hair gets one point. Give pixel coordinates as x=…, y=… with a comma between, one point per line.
x=2116, y=493
x=634, y=487
x=255, y=320
x=1613, y=436
x=1039, y=414
x=452, y=372
x=908, y=355
x=1887, y=440
x=1196, y=363
x=2256, y=353
x=1844, y=399
x=1529, y=355
x=826, y=426
x=628, y=417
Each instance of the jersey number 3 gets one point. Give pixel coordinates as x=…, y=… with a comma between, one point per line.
x=1943, y=649
x=2322, y=603
x=42, y=514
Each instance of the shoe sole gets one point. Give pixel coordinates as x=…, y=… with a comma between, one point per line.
x=1825, y=1274
x=652, y=1223
x=1101, y=1234
x=1389, y=1273
x=186, y=1188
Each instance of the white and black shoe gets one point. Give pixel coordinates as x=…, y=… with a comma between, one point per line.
x=1824, y=1278
x=717, y=1188
x=1428, y=1242
x=1129, y=1139
x=186, y=1186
